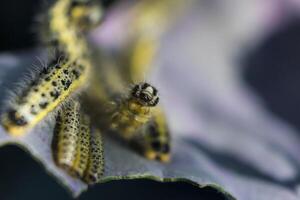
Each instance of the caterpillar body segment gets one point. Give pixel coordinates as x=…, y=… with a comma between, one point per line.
x=68, y=22
x=43, y=95
x=83, y=147
x=66, y=142
x=155, y=140
x=129, y=118
x=76, y=149
x=95, y=167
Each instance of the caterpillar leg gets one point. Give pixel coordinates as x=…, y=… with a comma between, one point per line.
x=154, y=142
x=77, y=150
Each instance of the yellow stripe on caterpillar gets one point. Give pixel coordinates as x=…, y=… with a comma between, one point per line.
x=83, y=147
x=154, y=140
x=68, y=36
x=53, y=86
x=71, y=143
x=66, y=137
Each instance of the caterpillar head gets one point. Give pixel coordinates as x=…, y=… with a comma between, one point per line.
x=145, y=94
x=14, y=122
x=86, y=14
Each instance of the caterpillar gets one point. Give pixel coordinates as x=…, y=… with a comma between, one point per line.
x=138, y=120
x=134, y=116
x=68, y=139
x=135, y=111
x=43, y=95
x=66, y=74
x=145, y=124
x=77, y=148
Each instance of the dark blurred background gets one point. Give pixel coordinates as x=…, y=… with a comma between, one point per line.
x=275, y=80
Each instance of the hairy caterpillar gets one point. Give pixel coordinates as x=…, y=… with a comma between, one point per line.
x=134, y=115
x=135, y=111
x=66, y=74
x=43, y=95
x=77, y=149
x=138, y=120
x=68, y=139
x=145, y=125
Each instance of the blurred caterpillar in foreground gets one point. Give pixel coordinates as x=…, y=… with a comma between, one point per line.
x=130, y=111
x=66, y=74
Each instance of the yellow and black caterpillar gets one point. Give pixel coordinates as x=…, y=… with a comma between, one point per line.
x=132, y=112
x=66, y=74
x=77, y=148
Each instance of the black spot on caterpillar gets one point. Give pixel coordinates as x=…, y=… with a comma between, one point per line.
x=45, y=94
x=66, y=142
x=95, y=168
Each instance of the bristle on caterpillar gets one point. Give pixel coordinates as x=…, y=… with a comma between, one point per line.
x=52, y=87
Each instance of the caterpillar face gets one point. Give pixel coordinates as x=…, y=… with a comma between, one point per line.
x=14, y=122
x=145, y=94
x=85, y=14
